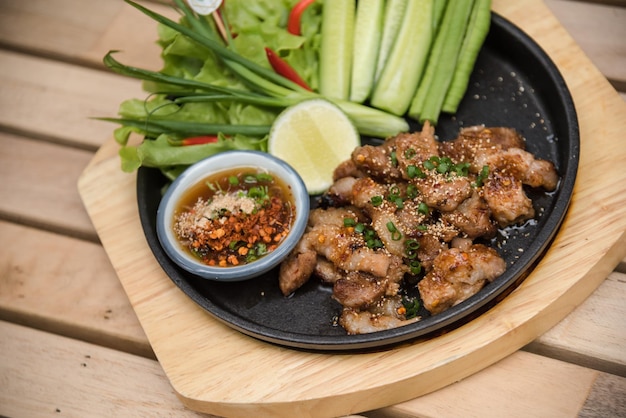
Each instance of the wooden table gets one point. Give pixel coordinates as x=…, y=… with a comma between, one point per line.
x=70, y=341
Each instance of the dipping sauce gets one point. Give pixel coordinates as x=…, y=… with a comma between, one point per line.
x=234, y=217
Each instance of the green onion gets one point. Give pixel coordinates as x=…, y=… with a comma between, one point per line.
x=395, y=234
x=415, y=267
x=269, y=89
x=412, y=244
x=482, y=176
x=265, y=177
x=156, y=126
x=376, y=200
x=462, y=169
x=394, y=159
x=443, y=166
x=412, y=307
x=413, y=171
x=348, y=222
x=423, y=208
x=430, y=164
x=411, y=247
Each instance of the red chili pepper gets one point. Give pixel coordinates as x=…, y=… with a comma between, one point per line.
x=283, y=68
x=199, y=140
x=293, y=24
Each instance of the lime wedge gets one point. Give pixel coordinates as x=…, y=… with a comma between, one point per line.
x=314, y=137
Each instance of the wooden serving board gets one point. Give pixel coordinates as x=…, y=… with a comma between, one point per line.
x=218, y=370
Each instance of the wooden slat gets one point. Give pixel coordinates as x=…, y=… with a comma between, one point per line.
x=84, y=30
x=66, y=286
x=41, y=277
x=594, y=334
x=600, y=31
x=581, y=250
x=56, y=101
x=620, y=3
x=81, y=30
x=41, y=189
x=517, y=385
x=47, y=375
x=606, y=399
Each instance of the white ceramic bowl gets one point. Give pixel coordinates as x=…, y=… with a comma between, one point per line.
x=216, y=163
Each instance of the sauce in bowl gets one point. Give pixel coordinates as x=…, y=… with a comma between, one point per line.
x=234, y=217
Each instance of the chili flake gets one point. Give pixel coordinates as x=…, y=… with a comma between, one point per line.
x=234, y=217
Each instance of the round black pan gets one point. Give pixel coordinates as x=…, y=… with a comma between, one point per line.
x=514, y=84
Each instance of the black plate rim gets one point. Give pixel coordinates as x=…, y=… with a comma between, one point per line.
x=456, y=315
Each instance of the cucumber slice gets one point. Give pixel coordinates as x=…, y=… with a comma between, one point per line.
x=402, y=72
x=394, y=12
x=367, y=36
x=336, y=48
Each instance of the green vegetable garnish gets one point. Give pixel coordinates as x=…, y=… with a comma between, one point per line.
x=221, y=85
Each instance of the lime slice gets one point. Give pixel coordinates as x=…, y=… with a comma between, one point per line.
x=314, y=137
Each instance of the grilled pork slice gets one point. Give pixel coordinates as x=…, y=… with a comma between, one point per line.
x=457, y=275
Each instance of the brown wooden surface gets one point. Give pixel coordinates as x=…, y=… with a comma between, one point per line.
x=61, y=299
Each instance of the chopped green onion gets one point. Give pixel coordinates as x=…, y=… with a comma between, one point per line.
x=395, y=234
x=412, y=244
x=415, y=267
x=394, y=159
x=348, y=222
x=413, y=171
x=429, y=164
x=264, y=177
x=411, y=191
x=376, y=200
x=412, y=307
x=423, y=208
x=482, y=176
x=462, y=169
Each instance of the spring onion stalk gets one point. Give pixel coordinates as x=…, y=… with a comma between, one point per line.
x=394, y=12
x=367, y=34
x=264, y=78
x=431, y=93
x=157, y=126
x=400, y=77
x=477, y=30
x=268, y=88
x=367, y=120
x=336, y=48
x=186, y=84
